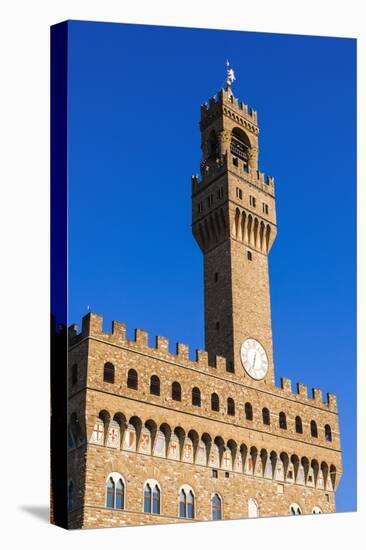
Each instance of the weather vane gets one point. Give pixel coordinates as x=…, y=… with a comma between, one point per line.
x=230, y=77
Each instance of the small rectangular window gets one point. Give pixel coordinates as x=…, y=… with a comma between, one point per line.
x=249, y=255
x=215, y=474
x=200, y=207
x=235, y=161
x=210, y=200
x=220, y=193
x=246, y=167
x=216, y=277
x=265, y=208
x=239, y=193
x=227, y=474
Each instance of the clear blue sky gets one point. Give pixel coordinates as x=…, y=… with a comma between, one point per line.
x=135, y=95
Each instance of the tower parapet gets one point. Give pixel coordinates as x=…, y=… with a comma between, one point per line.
x=210, y=172
x=225, y=102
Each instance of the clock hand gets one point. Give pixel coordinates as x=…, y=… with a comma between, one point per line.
x=255, y=357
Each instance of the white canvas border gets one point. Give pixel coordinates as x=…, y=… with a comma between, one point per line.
x=24, y=275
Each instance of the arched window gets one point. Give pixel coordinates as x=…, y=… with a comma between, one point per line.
x=196, y=397
x=298, y=425
x=231, y=407
x=240, y=145
x=176, y=391
x=327, y=433
x=108, y=373
x=253, y=511
x=156, y=500
x=115, y=491
x=266, y=416
x=333, y=475
x=283, y=421
x=215, y=402
x=147, y=499
x=295, y=509
x=74, y=374
x=154, y=385
x=132, y=379
x=248, y=411
x=186, y=503
x=190, y=505
x=317, y=510
x=70, y=496
x=313, y=429
x=120, y=495
x=110, y=493
x=182, y=504
x=152, y=497
x=216, y=507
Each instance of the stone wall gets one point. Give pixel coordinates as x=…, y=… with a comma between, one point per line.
x=115, y=400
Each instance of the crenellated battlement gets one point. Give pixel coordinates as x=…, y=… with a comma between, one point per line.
x=225, y=101
x=92, y=327
x=316, y=394
x=211, y=171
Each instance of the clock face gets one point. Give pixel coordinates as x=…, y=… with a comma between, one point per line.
x=254, y=358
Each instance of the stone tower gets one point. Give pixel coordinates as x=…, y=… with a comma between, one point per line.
x=234, y=223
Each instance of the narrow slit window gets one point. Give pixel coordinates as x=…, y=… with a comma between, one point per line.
x=328, y=433
x=282, y=421
x=132, y=379
x=215, y=402
x=266, y=417
x=231, y=406
x=155, y=385
x=176, y=391
x=196, y=397
x=108, y=375
x=248, y=409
